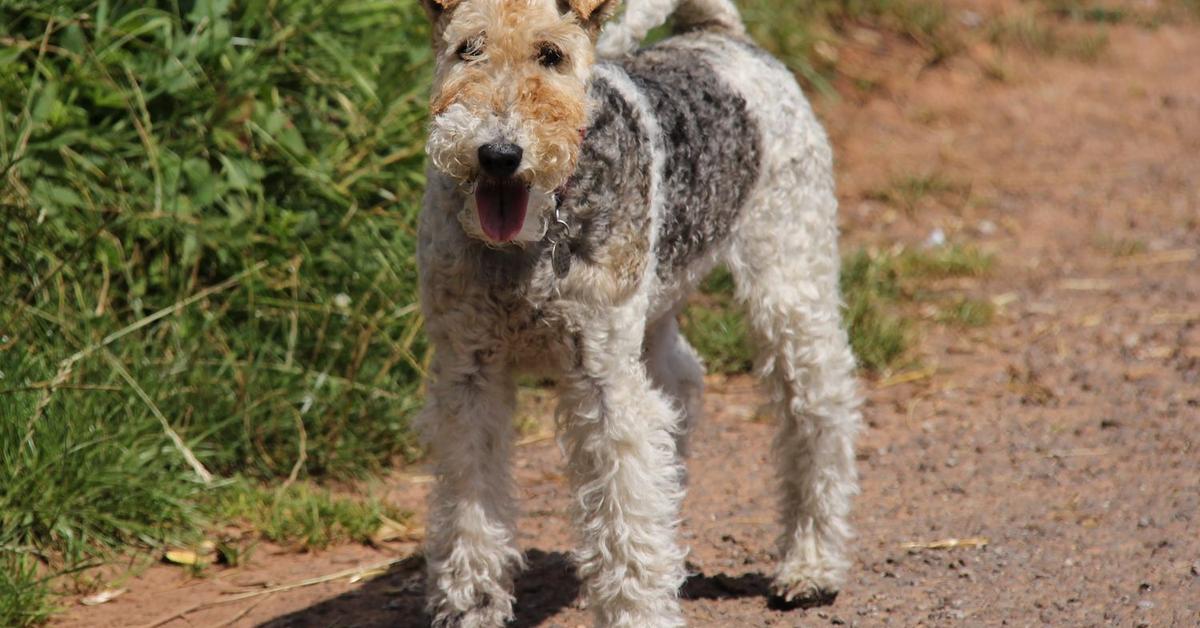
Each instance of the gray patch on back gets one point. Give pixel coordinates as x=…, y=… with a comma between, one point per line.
x=713, y=150
x=606, y=201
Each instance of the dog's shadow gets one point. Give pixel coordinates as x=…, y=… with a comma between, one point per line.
x=548, y=585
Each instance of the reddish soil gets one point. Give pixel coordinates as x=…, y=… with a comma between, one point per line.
x=1064, y=436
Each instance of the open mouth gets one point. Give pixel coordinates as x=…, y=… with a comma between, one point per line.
x=501, y=204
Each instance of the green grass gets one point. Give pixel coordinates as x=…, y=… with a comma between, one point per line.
x=717, y=328
x=25, y=595
x=1085, y=11
x=1034, y=34
x=209, y=212
x=302, y=515
x=953, y=260
x=879, y=333
x=967, y=312
x=907, y=192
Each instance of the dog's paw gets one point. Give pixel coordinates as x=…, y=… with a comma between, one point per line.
x=802, y=594
x=490, y=612
x=805, y=586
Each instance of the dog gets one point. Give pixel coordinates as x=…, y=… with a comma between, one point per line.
x=571, y=205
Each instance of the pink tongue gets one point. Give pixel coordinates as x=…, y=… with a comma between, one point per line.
x=501, y=206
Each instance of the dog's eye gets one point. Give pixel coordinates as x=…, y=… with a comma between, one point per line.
x=471, y=49
x=549, y=55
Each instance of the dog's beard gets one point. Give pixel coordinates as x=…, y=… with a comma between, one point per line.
x=506, y=212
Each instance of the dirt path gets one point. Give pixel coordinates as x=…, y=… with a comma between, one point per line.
x=1065, y=433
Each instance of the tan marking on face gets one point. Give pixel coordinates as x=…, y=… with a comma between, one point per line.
x=504, y=78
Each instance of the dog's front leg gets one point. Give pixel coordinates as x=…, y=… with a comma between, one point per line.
x=471, y=550
x=619, y=435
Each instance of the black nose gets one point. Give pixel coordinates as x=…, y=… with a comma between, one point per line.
x=500, y=160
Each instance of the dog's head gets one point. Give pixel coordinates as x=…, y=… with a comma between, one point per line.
x=509, y=104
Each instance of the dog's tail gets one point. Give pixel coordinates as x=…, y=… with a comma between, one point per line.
x=623, y=35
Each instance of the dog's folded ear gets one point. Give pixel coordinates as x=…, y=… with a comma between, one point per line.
x=435, y=8
x=438, y=12
x=592, y=14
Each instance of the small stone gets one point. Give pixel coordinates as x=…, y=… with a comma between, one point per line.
x=973, y=19
x=1145, y=605
x=1196, y=568
x=1145, y=522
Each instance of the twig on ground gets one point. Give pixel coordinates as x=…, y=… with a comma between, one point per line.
x=345, y=573
x=908, y=377
x=1156, y=258
x=245, y=611
x=974, y=541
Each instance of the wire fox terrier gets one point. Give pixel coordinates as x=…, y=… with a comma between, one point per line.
x=571, y=206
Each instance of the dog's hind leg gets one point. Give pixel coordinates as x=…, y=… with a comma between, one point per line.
x=676, y=369
x=471, y=549
x=619, y=436
x=785, y=263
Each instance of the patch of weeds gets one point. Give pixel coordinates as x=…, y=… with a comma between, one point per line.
x=231, y=553
x=967, y=312
x=927, y=23
x=908, y=191
x=943, y=262
x=1083, y=11
x=721, y=336
x=1086, y=47
x=1025, y=32
x=1121, y=247
x=302, y=515
x=25, y=596
x=1030, y=33
x=716, y=326
x=82, y=474
x=870, y=287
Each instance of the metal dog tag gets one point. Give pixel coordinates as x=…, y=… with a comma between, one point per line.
x=560, y=259
x=560, y=251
